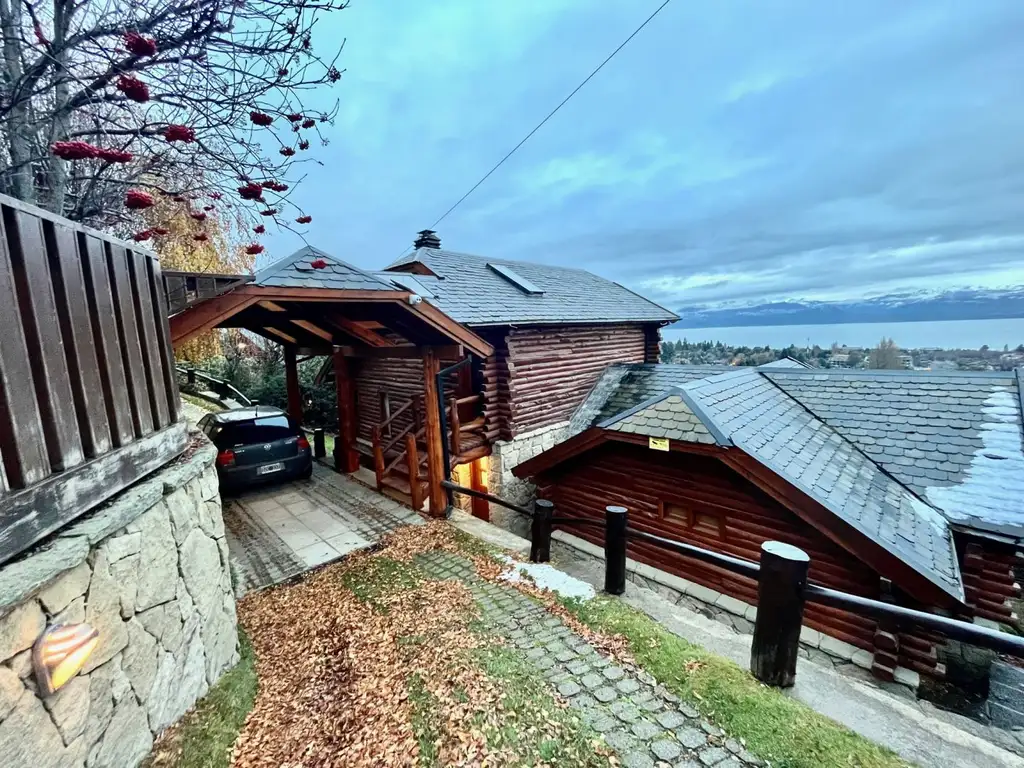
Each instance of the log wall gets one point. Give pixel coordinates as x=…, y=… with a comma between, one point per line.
x=989, y=583
x=551, y=369
x=401, y=378
x=698, y=500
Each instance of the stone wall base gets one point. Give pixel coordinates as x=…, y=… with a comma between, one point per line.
x=148, y=570
x=732, y=612
x=508, y=454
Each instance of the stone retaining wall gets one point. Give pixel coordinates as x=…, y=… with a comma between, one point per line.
x=148, y=570
x=507, y=454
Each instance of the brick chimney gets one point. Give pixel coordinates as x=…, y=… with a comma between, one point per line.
x=427, y=239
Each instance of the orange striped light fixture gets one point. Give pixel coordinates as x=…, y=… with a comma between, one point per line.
x=60, y=652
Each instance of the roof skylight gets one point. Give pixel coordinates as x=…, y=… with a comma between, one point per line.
x=516, y=279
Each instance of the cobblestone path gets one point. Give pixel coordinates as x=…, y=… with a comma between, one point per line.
x=645, y=724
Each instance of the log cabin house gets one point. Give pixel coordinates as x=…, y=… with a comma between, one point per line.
x=553, y=330
x=531, y=339
x=900, y=485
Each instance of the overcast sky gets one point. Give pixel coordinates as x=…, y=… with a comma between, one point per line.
x=734, y=151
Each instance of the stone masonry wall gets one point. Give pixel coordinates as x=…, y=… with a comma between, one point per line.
x=149, y=571
x=507, y=454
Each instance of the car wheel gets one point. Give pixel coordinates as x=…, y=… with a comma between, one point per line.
x=307, y=472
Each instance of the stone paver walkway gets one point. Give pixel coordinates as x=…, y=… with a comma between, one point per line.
x=644, y=723
x=279, y=531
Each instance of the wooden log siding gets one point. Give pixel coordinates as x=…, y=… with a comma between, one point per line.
x=651, y=484
x=88, y=391
x=401, y=378
x=989, y=583
x=494, y=386
x=551, y=369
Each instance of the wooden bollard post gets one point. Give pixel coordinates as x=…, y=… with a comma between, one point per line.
x=615, y=550
x=319, y=446
x=190, y=376
x=780, y=611
x=540, y=531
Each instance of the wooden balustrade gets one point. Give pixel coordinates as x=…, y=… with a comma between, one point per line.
x=378, y=458
x=88, y=387
x=453, y=421
x=413, y=460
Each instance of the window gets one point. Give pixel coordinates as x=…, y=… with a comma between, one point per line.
x=515, y=278
x=265, y=430
x=698, y=521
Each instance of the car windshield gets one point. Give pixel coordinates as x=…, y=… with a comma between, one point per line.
x=264, y=430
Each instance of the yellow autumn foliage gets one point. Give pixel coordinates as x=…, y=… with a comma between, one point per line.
x=223, y=252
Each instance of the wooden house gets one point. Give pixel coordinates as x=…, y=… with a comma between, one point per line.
x=528, y=341
x=554, y=330
x=899, y=485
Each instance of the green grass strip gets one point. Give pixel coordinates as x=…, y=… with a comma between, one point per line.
x=773, y=726
x=204, y=737
x=379, y=577
x=528, y=710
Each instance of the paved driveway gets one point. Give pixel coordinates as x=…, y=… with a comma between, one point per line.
x=282, y=530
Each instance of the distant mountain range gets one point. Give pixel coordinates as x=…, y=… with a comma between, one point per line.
x=962, y=304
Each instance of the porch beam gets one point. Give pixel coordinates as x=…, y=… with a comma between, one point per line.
x=207, y=315
x=359, y=331
x=346, y=459
x=433, y=437
x=291, y=373
x=449, y=352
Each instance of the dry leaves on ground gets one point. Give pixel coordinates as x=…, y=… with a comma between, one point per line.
x=334, y=670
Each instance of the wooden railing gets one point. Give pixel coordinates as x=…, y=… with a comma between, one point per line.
x=186, y=289
x=221, y=387
x=88, y=388
x=460, y=430
x=783, y=587
x=402, y=446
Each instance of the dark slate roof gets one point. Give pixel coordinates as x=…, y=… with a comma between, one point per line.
x=623, y=386
x=295, y=272
x=469, y=291
x=670, y=416
x=953, y=438
x=745, y=409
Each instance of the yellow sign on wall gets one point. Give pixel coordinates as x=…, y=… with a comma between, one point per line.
x=657, y=443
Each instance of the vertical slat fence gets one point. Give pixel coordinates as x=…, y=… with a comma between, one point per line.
x=88, y=387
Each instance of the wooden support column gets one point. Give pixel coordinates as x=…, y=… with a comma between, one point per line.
x=291, y=374
x=478, y=482
x=433, y=437
x=346, y=459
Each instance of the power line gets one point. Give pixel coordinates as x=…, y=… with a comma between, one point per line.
x=551, y=113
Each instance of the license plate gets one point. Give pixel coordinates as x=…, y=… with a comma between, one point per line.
x=266, y=469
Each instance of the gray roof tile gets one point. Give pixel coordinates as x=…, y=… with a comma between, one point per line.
x=295, y=272
x=467, y=290
x=776, y=430
x=932, y=433
x=670, y=417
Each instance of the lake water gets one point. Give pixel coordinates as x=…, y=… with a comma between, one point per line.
x=948, y=334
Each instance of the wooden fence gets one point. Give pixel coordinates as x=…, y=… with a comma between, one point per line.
x=88, y=389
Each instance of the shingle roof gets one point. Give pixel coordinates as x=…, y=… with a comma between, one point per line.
x=295, y=272
x=623, y=386
x=953, y=438
x=746, y=409
x=669, y=417
x=472, y=293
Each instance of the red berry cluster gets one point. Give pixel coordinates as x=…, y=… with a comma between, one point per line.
x=179, y=133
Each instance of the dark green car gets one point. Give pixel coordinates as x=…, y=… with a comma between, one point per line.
x=257, y=445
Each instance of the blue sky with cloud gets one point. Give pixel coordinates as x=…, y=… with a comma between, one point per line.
x=735, y=151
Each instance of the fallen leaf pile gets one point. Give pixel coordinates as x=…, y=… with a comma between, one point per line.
x=334, y=671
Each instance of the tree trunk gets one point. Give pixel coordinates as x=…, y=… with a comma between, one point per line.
x=18, y=129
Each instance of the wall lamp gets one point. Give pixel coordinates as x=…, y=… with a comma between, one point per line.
x=60, y=652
